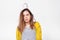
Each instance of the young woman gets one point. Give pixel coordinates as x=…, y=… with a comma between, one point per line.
x=27, y=28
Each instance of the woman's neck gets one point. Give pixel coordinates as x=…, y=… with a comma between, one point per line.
x=27, y=23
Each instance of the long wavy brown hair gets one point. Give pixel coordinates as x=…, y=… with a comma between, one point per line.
x=22, y=24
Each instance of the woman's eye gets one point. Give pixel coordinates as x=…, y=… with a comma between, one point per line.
x=27, y=14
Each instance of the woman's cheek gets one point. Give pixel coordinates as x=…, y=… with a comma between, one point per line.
x=26, y=19
x=29, y=18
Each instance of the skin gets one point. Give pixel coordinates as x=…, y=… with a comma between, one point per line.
x=26, y=17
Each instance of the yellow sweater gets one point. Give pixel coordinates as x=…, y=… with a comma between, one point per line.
x=37, y=29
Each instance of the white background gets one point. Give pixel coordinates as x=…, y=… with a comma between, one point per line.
x=47, y=12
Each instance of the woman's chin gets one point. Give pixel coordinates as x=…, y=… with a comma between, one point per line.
x=26, y=21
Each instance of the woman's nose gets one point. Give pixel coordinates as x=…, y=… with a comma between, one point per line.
x=25, y=16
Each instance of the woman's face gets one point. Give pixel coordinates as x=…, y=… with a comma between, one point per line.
x=26, y=16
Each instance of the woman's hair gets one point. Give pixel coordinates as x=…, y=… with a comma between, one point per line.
x=22, y=24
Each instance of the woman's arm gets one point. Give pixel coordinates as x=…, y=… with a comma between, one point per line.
x=18, y=34
x=38, y=31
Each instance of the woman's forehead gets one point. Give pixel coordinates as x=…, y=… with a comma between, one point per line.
x=25, y=12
